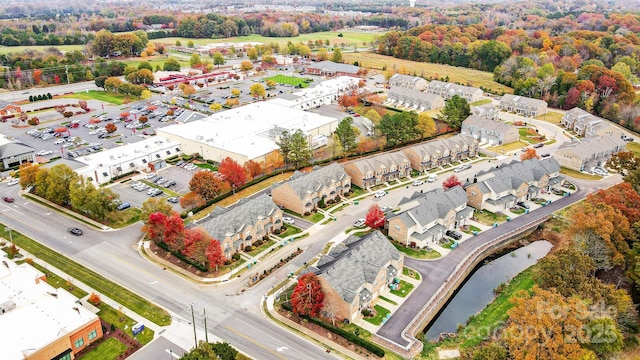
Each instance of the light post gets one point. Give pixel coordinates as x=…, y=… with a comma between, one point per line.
x=193, y=322
x=8, y=229
x=206, y=333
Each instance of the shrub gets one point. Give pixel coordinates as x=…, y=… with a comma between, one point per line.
x=248, y=248
x=67, y=114
x=366, y=312
x=236, y=256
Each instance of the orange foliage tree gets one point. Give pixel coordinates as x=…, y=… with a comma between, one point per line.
x=207, y=185
x=233, y=172
x=253, y=168
x=530, y=153
x=191, y=200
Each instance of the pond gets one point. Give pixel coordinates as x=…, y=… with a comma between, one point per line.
x=477, y=292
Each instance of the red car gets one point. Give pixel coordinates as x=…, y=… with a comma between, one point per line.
x=8, y=199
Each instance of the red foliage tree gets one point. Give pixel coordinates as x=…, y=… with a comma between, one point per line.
x=572, y=99
x=348, y=100
x=233, y=172
x=307, y=297
x=56, y=79
x=253, y=168
x=214, y=253
x=174, y=233
x=450, y=182
x=375, y=217
x=195, y=245
x=207, y=185
x=155, y=227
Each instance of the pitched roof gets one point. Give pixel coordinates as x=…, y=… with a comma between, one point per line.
x=332, y=66
x=490, y=125
x=412, y=94
x=511, y=175
x=589, y=147
x=433, y=205
x=441, y=145
x=522, y=100
x=355, y=262
x=380, y=161
x=451, y=87
x=226, y=221
x=405, y=78
x=303, y=183
x=14, y=149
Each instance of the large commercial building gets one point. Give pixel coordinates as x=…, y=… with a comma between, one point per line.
x=246, y=133
x=321, y=94
x=38, y=321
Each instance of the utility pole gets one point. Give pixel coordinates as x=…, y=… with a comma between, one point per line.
x=206, y=333
x=193, y=321
x=66, y=70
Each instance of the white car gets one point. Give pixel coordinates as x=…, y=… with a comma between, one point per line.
x=13, y=182
x=288, y=220
x=380, y=193
x=44, y=152
x=150, y=176
x=432, y=178
x=59, y=141
x=359, y=223
x=386, y=209
x=417, y=182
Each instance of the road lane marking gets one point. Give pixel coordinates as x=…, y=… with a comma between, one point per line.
x=253, y=341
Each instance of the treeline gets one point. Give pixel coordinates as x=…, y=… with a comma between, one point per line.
x=44, y=35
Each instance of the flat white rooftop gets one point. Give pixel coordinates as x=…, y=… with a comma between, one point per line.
x=42, y=313
x=127, y=152
x=248, y=130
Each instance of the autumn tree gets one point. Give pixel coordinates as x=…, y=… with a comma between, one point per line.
x=191, y=200
x=374, y=116
x=207, y=185
x=253, y=168
x=111, y=128
x=214, y=254
x=491, y=351
x=375, y=217
x=187, y=90
x=215, y=107
x=273, y=160
x=346, y=132
x=155, y=226
x=307, y=297
x=231, y=102
x=235, y=93
x=28, y=172
x=246, y=66
x=337, y=55
x=455, y=111
x=196, y=241
x=569, y=271
x=426, y=126
x=155, y=205
x=59, y=184
x=94, y=299
x=233, y=172
x=335, y=146
x=174, y=233
x=530, y=153
x=623, y=162
x=218, y=59
x=348, y=100
x=258, y=91
x=450, y=182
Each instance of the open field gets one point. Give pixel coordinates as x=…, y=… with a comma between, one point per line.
x=634, y=148
x=105, y=96
x=460, y=75
x=550, y=117
x=354, y=37
x=41, y=48
x=109, y=349
x=291, y=80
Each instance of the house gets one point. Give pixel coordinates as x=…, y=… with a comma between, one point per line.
x=489, y=131
x=435, y=153
x=502, y=187
x=448, y=90
x=357, y=271
x=13, y=153
x=303, y=192
x=414, y=99
x=330, y=68
x=243, y=224
x=8, y=108
x=587, y=124
x=430, y=215
x=523, y=105
x=39, y=321
x=486, y=111
x=408, y=82
x=378, y=169
x=589, y=153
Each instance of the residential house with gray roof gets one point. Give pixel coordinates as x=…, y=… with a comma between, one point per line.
x=378, y=169
x=589, y=153
x=428, y=216
x=408, y=82
x=588, y=125
x=502, y=187
x=522, y=105
x=303, y=192
x=489, y=131
x=486, y=111
x=357, y=271
x=435, y=153
x=414, y=99
x=330, y=68
x=243, y=224
x=448, y=90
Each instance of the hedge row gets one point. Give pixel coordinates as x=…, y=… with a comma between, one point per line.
x=39, y=97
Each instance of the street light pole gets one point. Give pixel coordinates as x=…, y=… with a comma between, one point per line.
x=193, y=321
x=206, y=333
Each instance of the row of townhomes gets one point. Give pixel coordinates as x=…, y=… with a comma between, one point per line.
x=492, y=132
x=449, y=90
x=502, y=187
x=586, y=124
x=425, y=218
x=378, y=169
x=244, y=223
x=357, y=271
x=408, y=82
x=303, y=192
x=486, y=111
x=523, y=105
x=414, y=99
x=589, y=153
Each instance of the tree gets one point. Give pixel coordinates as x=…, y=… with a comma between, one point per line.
x=455, y=111
x=284, y=142
x=94, y=299
x=375, y=117
x=196, y=241
x=28, y=173
x=146, y=94
x=252, y=54
x=375, y=217
x=191, y=200
x=218, y=59
x=307, y=297
x=346, y=134
x=110, y=128
x=530, y=153
x=207, y=185
x=214, y=254
x=399, y=128
x=300, y=152
x=187, y=90
x=171, y=65
x=215, y=107
x=491, y=351
x=154, y=227
x=236, y=93
x=206, y=351
x=155, y=205
x=174, y=233
x=426, y=126
x=246, y=66
x=623, y=162
x=253, y=168
x=335, y=146
x=258, y=91
x=569, y=271
x=348, y=100
x=450, y=182
x=322, y=54
x=59, y=183
x=270, y=84
x=100, y=80
x=143, y=119
x=233, y=172
x=337, y=55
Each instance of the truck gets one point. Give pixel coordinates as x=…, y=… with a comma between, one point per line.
x=319, y=141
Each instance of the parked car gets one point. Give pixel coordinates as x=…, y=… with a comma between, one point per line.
x=462, y=167
x=432, y=178
x=8, y=199
x=75, y=231
x=13, y=182
x=380, y=193
x=545, y=155
x=359, y=223
x=417, y=182
x=173, y=199
x=170, y=184
x=123, y=206
x=600, y=171
x=386, y=209
x=288, y=220
x=150, y=176
x=538, y=145
x=453, y=234
x=44, y=152
x=59, y=141
x=523, y=205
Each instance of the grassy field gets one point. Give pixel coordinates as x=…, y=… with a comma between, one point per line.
x=125, y=297
x=403, y=290
x=355, y=37
x=112, y=316
x=156, y=61
x=105, y=96
x=109, y=349
x=578, y=174
x=550, y=117
x=19, y=49
x=418, y=254
x=381, y=313
x=460, y=75
x=634, y=147
x=58, y=282
x=503, y=149
x=291, y=80
x=488, y=218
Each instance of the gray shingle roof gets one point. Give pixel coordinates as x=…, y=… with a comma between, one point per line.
x=474, y=122
x=357, y=264
x=522, y=100
x=510, y=176
x=380, y=161
x=303, y=183
x=14, y=149
x=404, y=78
x=433, y=205
x=332, y=66
x=413, y=94
x=223, y=221
x=451, y=87
x=588, y=148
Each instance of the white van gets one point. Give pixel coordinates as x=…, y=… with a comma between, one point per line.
x=432, y=178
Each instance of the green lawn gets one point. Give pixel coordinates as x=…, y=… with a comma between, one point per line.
x=486, y=217
x=120, y=219
x=481, y=102
x=472, y=229
x=551, y=117
x=125, y=297
x=381, y=313
x=157, y=61
x=265, y=245
x=387, y=300
x=502, y=149
x=578, y=174
x=58, y=282
x=418, y=254
x=291, y=230
x=105, y=96
x=634, y=147
x=109, y=349
x=290, y=80
x=42, y=48
x=110, y=315
x=404, y=289
x=410, y=273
